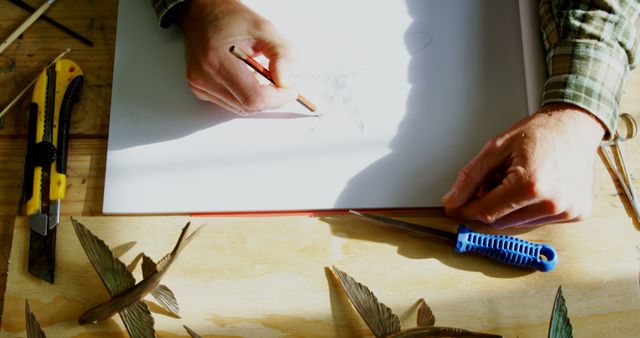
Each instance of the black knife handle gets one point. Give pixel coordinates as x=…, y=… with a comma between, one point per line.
x=71, y=96
x=27, y=187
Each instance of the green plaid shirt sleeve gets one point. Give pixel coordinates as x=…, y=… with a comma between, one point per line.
x=591, y=46
x=163, y=10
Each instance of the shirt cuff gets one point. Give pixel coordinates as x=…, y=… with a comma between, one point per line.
x=588, y=74
x=166, y=11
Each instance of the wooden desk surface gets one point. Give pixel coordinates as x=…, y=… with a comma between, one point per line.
x=22, y=61
x=265, y=277
x=19, y=65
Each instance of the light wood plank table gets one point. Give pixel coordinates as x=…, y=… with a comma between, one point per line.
x=264, y=276
x=20, y=64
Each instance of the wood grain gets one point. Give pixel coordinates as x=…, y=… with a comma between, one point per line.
x=85, y=186
x=266, y=277
x=85, y=182
x=26, y=57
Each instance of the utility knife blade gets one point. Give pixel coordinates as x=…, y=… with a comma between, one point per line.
x=55, y=92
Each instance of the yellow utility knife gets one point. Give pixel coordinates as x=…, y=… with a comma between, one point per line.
x=55, y=92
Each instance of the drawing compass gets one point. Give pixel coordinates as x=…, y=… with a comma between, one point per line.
x=55, y=92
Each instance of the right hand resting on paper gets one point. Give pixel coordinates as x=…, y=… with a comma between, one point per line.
x=211, y=27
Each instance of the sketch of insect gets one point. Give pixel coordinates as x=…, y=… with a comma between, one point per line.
x=337, y=85
x=338, y=97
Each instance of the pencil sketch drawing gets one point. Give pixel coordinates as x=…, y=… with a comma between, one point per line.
x=337, y=97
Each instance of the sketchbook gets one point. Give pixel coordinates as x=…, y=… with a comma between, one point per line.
x=408, y=91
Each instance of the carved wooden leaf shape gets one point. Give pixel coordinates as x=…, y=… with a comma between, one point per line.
x=148, y=266
x=166, y=298
x=33, y=327
x=191, y=332
x=441, y=332
x=114, y=274
x=560, y=325
x=161, y=293
x=138, y=320
x=425, y=316
x=378, y=316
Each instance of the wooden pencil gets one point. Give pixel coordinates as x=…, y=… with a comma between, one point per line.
x=30, y=20
x=255, y=65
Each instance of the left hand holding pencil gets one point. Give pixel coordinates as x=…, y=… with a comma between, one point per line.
x=211, y=27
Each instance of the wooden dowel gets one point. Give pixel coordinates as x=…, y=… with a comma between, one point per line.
x=62, y=27
x=30, y=20
x=12, y=103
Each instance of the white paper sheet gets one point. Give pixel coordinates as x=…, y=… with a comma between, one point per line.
x=409, y=92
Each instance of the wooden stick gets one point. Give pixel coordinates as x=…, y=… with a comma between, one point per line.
x=30, y=20
x=62, y=27
x=12, y=103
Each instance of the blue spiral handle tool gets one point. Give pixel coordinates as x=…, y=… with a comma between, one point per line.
x=507, y=249
x=504, y=249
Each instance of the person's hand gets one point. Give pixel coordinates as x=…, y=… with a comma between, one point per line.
x=536, y=172
x=211, y=27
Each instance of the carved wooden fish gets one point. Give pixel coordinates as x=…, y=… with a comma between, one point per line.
x=560, y=325
x=126, y=294
x=33, y=327
x=384, y=323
